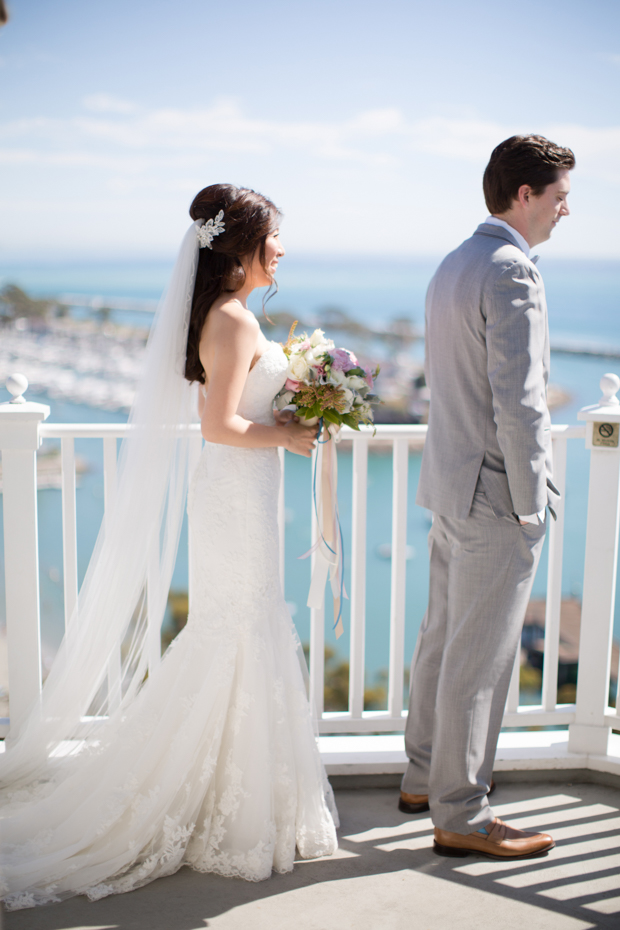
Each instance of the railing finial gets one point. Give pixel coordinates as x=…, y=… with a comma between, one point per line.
x=17, y=385
x=610, y=385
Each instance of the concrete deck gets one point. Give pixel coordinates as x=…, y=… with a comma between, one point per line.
x=386, y=876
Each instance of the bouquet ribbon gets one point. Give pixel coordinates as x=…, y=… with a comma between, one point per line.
x=328, y=548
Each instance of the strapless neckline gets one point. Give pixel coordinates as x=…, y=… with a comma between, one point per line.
x=272, y=345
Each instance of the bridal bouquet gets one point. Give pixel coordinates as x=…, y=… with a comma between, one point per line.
x=325, y=382
x=328, y=384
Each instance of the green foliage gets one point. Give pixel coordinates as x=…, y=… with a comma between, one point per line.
x=15, y=303
x=567, y=693
x=336, y=690
x=530, y=678
x=351, y=421
x=331, y=417
x=178, y=606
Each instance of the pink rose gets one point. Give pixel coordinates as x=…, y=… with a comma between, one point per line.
x=305, y=345
x=292, y=385
x=343, y=360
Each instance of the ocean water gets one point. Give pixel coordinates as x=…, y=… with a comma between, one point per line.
x=584, y=309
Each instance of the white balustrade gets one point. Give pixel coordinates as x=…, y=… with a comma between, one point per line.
x=512, y=700
x=357, y=665
x=590, y=719
x=19, y=441
x=115, y=671
x=399, y=568
x=553, y=607
x=69, y=527
x=590, y=731
x=317, y=625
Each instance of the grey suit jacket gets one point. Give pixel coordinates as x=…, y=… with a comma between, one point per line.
x=487, y=366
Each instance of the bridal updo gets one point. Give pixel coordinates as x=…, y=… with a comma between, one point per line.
x=248, y=219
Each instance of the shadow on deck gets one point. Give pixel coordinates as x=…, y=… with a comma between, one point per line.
x=385, y=876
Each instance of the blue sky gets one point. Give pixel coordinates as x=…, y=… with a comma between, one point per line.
x=369, y=124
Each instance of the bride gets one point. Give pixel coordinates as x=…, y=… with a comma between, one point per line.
x=127, y=769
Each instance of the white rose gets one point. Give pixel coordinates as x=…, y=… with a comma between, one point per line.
x=317, y=337
x=348, y=396
x=356, y=383
x=298, y=368
x=338, y=377
x=283, y=400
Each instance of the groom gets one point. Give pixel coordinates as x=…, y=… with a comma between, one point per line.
x=486, y=476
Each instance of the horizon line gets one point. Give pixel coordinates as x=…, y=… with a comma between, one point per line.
x=330, y=257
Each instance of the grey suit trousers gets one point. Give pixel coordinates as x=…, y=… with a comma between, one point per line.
x=481, y=574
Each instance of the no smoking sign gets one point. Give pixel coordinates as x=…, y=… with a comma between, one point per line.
x=606, y=435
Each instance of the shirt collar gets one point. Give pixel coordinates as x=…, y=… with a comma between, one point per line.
x=521, y=242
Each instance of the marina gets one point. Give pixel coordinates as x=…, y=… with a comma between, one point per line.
x=85, y=363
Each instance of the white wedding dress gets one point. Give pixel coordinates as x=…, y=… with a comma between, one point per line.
x=215, y=763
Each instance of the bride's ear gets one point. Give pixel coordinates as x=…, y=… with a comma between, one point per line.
x=236, y=277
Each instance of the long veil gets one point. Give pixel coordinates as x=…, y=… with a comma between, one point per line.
x=102, y=661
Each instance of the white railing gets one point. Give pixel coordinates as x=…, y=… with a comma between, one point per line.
x=590, y=719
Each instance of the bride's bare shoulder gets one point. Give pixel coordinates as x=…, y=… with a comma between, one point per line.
x=230, y=315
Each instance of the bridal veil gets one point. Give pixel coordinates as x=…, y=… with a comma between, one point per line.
x=102, y=661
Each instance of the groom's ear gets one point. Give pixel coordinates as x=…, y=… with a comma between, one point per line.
x=524, y=195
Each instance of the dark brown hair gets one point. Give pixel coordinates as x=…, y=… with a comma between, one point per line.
x=519, y=160
x=248, y=219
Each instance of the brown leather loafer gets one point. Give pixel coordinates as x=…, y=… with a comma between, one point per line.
x=413, y=803
x=418, y=803
x=502, y=842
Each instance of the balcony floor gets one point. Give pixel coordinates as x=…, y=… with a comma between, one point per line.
x=386, y=877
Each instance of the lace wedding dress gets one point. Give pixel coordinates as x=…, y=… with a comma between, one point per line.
x=215, y=764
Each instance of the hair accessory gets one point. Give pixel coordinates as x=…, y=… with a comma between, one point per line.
x=211, y=229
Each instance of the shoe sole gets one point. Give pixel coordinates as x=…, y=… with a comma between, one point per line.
x=406, y=808
x=456, y=852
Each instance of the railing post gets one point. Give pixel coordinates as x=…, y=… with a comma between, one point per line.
x=553, y=606
x=589, y=733
x=19, y=441
x=317, y=627
x=399, y=575
x=358, y=578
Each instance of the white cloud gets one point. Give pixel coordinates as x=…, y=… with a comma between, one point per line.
x=463, y=139
x=316, y=169
x=373, y=137
x=106, y=103
x=76, y=158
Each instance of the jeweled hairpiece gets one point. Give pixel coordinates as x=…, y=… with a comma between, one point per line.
x=211, y=229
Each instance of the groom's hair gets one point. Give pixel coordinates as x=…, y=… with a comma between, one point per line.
x=519, y=160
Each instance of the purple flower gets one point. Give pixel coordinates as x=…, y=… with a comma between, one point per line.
x=343, y=360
